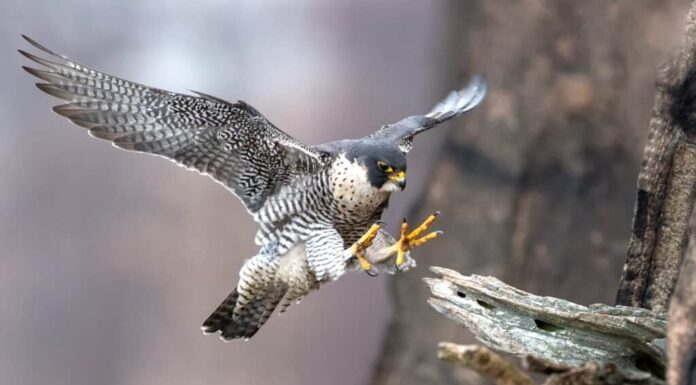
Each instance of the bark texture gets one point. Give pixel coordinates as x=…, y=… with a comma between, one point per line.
x=665, y=196
x=536, y=186
x=681, y=335
x=484, y=361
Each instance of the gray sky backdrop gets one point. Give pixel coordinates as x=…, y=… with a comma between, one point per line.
x=110, y=261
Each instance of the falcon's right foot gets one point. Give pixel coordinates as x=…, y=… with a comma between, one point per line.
x=361, y=246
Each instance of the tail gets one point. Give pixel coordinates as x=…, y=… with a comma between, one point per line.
x=249, y=305
x=243, y=321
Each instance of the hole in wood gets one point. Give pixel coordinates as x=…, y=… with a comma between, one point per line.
x=648, y=364
x=485, y=304
x=461, y=294
x=549, y=327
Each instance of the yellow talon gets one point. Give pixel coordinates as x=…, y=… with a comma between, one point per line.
x=407, y=241
x=366, y=240
x=424, y=226
x=400, y=256
x=364, y=263
x=402, y=245
x=425, y=239
x=362, y=244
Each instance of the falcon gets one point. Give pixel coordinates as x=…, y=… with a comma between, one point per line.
x=318, y=208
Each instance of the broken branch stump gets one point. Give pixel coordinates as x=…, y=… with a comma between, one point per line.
x=512, y=321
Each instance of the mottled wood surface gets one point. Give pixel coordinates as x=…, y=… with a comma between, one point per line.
x=519, y=323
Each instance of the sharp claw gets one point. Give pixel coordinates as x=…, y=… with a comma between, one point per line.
x=408, y=241
x=372, y=272
x=365, y=264
x=400, y=268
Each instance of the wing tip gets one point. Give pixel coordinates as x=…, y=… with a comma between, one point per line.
x=55, y=91
x=461, y=101
x=31, y=71
x=42, y=47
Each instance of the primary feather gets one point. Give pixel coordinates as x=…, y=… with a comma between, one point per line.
x=455, y=104
x=231, y=142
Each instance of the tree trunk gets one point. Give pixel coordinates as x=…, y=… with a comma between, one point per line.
x=537, y=185
x=681, y=333
x=666, y=182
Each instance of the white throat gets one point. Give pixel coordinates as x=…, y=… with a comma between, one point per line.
x=352, y=188
x=390, y=187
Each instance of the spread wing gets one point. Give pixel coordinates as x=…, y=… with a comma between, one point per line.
x=230, y=142
x=455, y=104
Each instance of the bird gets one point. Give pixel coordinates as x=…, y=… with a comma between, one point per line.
x=317, y=208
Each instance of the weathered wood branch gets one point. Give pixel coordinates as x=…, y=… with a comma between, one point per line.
x=666, y=185
x=483, y=361
x=518, y=323
x=593, y=373
x=490, y=364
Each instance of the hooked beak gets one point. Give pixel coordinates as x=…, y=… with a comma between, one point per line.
x=399, y=179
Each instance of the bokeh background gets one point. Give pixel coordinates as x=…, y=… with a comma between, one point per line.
x=110, y=261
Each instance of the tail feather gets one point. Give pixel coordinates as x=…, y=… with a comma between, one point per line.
x=248, y=317
x=262, y=285
x=222, y=316
x=271, y=305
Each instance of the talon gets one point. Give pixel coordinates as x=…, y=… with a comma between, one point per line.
x=423, y=240
x=361, y=245
x=399, y=268
x=366, y=240
x=372, y=272
x=400, y=257
x=366, y=265
x=424, y=226
x=407, y=241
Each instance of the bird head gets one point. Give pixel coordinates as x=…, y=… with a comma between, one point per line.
x=384, y=161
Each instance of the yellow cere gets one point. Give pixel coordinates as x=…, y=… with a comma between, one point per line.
x=398, y=176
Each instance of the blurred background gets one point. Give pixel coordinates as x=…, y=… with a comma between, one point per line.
x=110, y=261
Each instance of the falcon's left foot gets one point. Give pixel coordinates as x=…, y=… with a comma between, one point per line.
x=361, y=246
x=408, y=240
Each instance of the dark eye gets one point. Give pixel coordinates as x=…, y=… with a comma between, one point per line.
x=384, y=167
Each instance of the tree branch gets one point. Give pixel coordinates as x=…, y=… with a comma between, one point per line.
x=483, y=361
x=515, y=322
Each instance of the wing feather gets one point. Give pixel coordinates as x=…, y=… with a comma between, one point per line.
x=231, y=142
x=455, y=104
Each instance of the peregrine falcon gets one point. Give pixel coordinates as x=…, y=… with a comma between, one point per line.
x=318, y=208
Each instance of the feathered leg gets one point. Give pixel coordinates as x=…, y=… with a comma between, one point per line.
x=250, y=305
